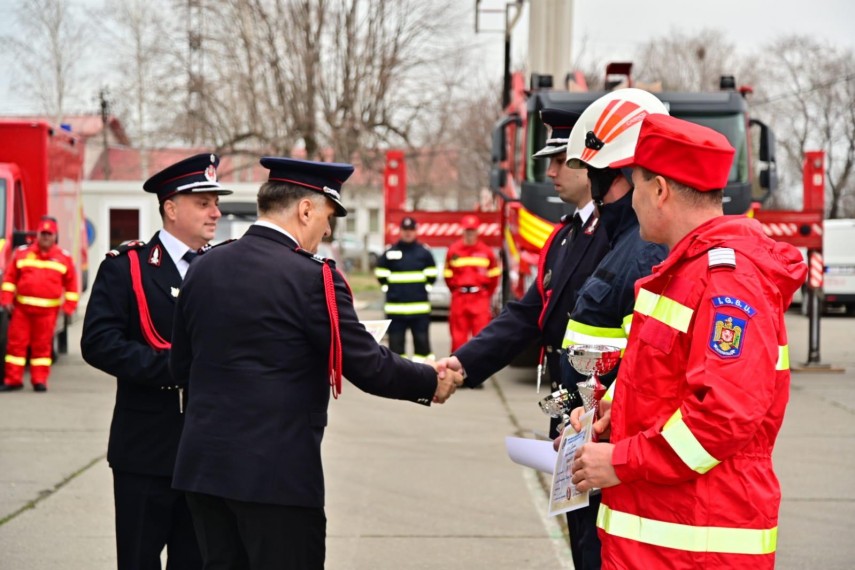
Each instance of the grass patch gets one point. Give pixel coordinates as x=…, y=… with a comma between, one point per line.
x=361, y=282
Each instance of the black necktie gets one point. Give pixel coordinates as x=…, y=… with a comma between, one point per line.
x=576, y=225
x=189, y=256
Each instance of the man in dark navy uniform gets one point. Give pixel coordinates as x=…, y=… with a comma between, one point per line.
x=406, y=272
x=126, y=333
x=261, y=367
x=568, y=258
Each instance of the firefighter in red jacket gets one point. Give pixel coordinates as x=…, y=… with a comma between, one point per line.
x=472, y=274
x=687, y=477
x=39, y=281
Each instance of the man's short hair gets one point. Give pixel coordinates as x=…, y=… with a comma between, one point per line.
x=690, y=195
x=275, y=196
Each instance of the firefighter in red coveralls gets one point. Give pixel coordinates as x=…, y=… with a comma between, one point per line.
x=39, y=281
x=687, y=477
x=472, y=274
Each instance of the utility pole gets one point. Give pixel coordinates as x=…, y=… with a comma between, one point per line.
x=105, y=138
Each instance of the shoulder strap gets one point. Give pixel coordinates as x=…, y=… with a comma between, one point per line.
x=150, y=334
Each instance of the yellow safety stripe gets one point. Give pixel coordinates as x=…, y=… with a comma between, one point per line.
x=421, y=358
x=686, y=446
x=381, y=272
x=470, y=262
x=40, y=362
x=407, y=277
x=668, y=311
x=610, y=392
x=580, y=333
x=10, y=287
x=431, y=271
x=38, y=302
x=495, y=272
x=72, y=296
x=512, y=247
x=725, y=540
x=448, y=274
x=407, y=308
x=16, y=360
x=533, y=229
x=42, y=264
x=627, y=324
x=783, y=358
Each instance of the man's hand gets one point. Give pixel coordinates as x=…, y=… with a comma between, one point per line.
x=602, y=427
x=592, y=467
x=447, y=382
x=448, y=363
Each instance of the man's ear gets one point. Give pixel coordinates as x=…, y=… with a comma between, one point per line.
x=663, y=191
x=304, y=209
x=169, y=209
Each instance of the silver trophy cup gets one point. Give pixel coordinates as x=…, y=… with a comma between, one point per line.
x=593, y=360
x=558, y=405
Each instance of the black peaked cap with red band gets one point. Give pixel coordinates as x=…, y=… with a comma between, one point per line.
x=195, y=174
x=323, y=177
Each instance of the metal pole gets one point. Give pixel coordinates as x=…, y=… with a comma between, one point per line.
x=813, y=316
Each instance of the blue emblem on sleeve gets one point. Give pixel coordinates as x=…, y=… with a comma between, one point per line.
x=727, y=335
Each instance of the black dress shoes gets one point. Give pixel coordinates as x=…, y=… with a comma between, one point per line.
x=39, y=388
x=10, y=387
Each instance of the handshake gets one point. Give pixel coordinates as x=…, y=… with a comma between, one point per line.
x=449, y=377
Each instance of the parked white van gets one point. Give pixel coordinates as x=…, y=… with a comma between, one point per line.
x=838, y=255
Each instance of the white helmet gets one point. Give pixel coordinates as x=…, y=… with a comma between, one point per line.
x=608, y=129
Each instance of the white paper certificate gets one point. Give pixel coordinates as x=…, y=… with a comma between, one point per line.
x=535, y=453
x=563, y=495
x=377, y=328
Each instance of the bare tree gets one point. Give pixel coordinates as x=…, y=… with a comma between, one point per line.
x=810, y=95
x=691, y=62
x=47, y=49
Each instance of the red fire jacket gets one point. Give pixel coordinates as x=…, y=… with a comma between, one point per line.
x=698, y=403
x=471, y=266
x=38, y=279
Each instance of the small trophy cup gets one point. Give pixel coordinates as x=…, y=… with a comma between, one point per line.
x=593, y=360
x=558, y=405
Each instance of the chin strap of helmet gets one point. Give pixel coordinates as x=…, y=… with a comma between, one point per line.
x=601, y=181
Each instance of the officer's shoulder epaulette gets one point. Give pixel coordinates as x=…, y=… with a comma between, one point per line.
x=566, y=219
x=208, y=247
x=721, y=257
x=314, y=256
x=125, y=247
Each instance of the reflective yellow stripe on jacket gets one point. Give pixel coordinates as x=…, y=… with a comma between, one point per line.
x=37, y=301
x=407, y=277
x=70, y=296
x=9, y=287
x=686, y=537
x=418, y=308
x=580, y=333
x=470, y=262
x=42, y=264
x=668, y=311
x=686, y=445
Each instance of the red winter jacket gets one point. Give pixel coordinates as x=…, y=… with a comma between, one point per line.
x=698, y=403
x=38, y=279
x=471, y=266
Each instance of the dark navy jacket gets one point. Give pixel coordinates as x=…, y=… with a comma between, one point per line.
x=567, y=265
x=606, y=300
x=146, y=419
x=405, y=271
x=252, y=334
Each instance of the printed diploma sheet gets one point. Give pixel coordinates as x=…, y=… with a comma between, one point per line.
x=563, y=495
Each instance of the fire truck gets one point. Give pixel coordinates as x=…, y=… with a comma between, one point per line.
x=529, y=206
x=41, y=169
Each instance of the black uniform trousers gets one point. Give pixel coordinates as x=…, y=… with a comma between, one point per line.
x=236, y=535
x=149, y=514
x=419, y=324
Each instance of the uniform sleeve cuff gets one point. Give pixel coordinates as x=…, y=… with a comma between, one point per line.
x=622, y=462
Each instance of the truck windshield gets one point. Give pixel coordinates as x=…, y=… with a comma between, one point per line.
x=733, y=127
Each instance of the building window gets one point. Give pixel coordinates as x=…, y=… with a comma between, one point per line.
x=373, y=220
x=124, y=226
x=350, y=224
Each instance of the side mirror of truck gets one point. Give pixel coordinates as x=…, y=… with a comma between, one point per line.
x=499, y=153
x=21, y=238
x=766, y=165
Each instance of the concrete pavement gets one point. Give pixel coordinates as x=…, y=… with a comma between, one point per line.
x=407, y=486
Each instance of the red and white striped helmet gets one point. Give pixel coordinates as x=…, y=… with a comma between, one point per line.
x=608, y=129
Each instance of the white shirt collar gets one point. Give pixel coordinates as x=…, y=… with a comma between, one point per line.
x=586, y=211
x=176, y=250
x=272, y=226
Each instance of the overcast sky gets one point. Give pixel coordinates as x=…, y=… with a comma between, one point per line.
x=611, y=29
